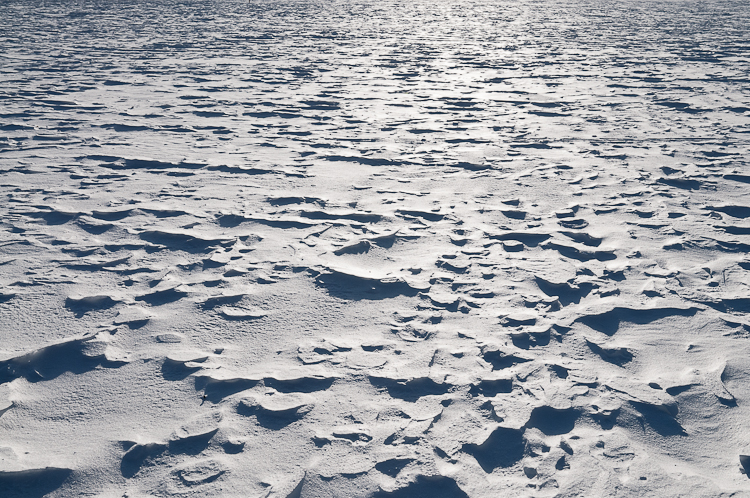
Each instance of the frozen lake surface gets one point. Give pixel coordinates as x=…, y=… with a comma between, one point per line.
x=385, y=249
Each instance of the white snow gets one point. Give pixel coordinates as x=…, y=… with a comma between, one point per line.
x=389, y=249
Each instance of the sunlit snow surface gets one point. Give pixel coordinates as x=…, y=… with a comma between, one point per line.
x=391, y=249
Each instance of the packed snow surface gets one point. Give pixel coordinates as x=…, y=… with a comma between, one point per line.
x=374, y=249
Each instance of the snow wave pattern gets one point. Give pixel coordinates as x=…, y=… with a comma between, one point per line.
x=300, y=249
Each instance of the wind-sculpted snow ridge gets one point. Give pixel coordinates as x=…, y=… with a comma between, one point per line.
x=345, y=249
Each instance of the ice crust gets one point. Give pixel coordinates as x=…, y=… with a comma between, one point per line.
x=392, y=249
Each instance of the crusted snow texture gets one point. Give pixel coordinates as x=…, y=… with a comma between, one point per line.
x=374, y=249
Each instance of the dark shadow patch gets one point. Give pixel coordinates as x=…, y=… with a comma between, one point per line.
x=387, y=241
x=81, y=306
x=200, y=476
x=217, y=389
x=191, y=445
x=533, y=145
x=231, y=220
x=560, y=371
x=32, y=483
x=577, y=254
x=745, y=464
x=584, y=238
x=733, y=211
x=285, y=201
x=517, y=321
x=363, y=246
x=273, y=421
x=177, y=241
x=393, y=466
x=529, y=239
x=683, y=183
x=297, y=491
x=500, y=360
x=240, y=170
x=575, y=224
x=112, y=215
x=615, y=275
x=94, y=228
x=173, y=370
x=514, y=214
x=358, y=217
x=232, y=448
x=5, y=297
x=441, y=263
x=471, y=166
x=660, y=418
x=354, y=288
x=369, y=161
x=153, y=164
x=728, y=305
x=617, y=356
x=159, y=298
x=54, y=217
x=300, y=385
x=609, y=321
x=52, y=361
x=427, y=215
x=490, y=388
x=606, y=418
x=8, y=407
x=212, y=302
x=283, y=223
x=165, y=213
x=122, y=128
x=527, y=340
x=677, y=390
x=728, y=402
x=503, y=449
x=552, y=421
x=410, y=390
x=735, y=247
x=738, y=178
x=138, y=455
x=426, y=487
